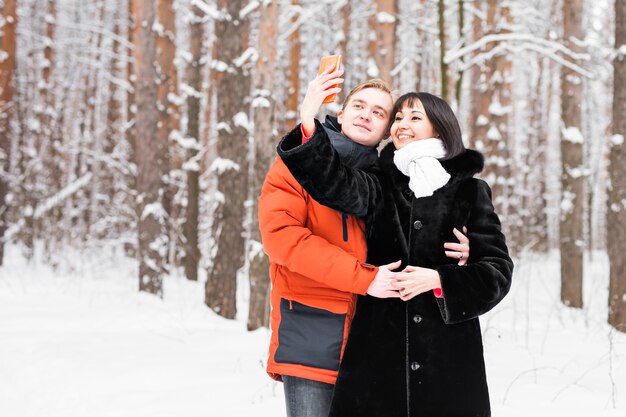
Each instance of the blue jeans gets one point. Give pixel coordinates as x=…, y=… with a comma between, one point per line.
x=307, y=398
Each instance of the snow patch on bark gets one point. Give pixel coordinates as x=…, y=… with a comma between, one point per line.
x=384, y=17
x=221, y=165
x=572, y=134
x=617, y=140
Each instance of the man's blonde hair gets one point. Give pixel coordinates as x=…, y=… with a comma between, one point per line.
x=373, y=83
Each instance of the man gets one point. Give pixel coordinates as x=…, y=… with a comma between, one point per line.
x=317, y=255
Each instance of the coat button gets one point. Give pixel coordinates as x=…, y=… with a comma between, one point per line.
x=408, y=193
x=417, y=318
x=415, y=366
x=417, y=225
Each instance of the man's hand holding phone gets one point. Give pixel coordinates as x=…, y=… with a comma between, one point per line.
x=322, y=89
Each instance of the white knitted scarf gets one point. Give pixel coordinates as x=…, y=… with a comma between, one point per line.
x=419, y=161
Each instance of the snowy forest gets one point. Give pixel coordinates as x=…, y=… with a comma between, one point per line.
x=152, y=125
x=147, y=127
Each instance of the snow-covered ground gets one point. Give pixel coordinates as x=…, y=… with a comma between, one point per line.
x=81, y=341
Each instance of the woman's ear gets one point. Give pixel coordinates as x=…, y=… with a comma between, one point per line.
x=340, y=116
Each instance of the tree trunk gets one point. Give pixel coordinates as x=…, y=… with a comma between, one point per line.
x=442, y=50
x=480, y=94
x=491, y=105
x=501, y=111
x=344, y=43
x=533, y=231
x=152, y=239
x=166, y=47
x=91, y=142
x=419, y=60
x=617, y=191
x=459, y=81
x=382, y=45
x=264, y=143
x=113, y=119
x=231, y=163
x=192, y=166
x=133, y=27
x=7, y=68
x=293, y=93
x=47, y=175
x=573, y=178
x=129, y=124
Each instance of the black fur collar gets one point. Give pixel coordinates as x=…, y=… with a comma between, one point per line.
x=461, y=167
x=351, y=153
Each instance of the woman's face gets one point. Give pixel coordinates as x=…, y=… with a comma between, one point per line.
x=411, y=124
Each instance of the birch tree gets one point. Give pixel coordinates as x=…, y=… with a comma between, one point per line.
x=231, y=61
x=617, y=191
x=572, y=177
x=7, y=68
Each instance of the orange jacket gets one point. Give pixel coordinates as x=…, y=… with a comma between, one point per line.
x=317, y=266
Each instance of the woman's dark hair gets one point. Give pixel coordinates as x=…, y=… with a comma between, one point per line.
x=441, y=117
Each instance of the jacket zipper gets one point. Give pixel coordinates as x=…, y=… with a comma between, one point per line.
x=344, y=224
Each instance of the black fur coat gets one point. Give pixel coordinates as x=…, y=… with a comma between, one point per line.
x=423, y=357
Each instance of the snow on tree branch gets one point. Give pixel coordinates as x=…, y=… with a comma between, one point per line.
x=543, y=46
x=56, y=199
x=49, y=204
x=207, y=9
x=249, y=54
x=248, y=9
x=99, y=30
x=220, y=165
x=155, y=210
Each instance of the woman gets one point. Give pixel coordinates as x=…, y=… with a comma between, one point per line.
x=421, y=355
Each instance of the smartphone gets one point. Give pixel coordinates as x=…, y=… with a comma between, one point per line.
x=330, y=61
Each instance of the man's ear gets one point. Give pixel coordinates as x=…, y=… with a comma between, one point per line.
x=340, y=116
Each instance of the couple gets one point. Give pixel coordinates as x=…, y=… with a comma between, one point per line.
x=328, y=206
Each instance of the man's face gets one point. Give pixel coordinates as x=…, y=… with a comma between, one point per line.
x=365, y=118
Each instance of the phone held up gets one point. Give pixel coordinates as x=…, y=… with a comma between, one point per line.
x=325, y=62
